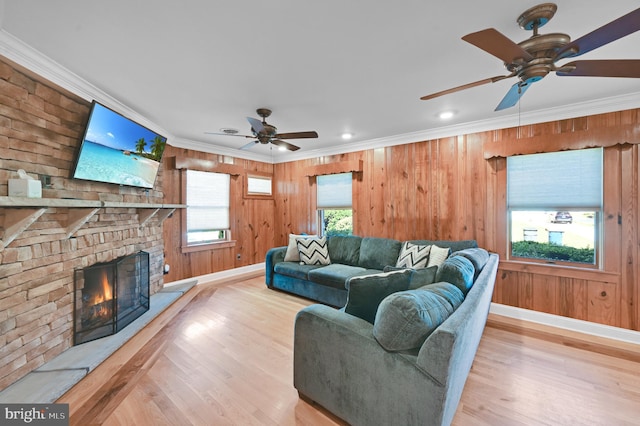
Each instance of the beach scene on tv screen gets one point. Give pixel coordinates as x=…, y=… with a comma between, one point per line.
x=118, y=150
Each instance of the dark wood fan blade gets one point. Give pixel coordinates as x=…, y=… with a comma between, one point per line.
x=255, y=124
x=228, y=134
x=297, y=135
x=494, y=42
x=513, y=95
x=284, y=144
x=249, y=145
x=602, y=68
x=607, y=33
x=466, y=86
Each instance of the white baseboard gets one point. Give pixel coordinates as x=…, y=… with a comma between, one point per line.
x=242, y=272
x=580, y=326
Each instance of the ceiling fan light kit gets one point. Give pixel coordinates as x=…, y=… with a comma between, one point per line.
x=532, y=59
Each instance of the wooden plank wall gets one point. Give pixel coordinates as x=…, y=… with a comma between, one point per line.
x=251, y=221
x=446, y=189
x=433, y=189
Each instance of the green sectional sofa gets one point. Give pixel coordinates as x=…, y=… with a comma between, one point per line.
x=405, y=359
x=349, y=256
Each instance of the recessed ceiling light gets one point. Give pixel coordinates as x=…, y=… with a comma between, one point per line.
x=445, y=115
x=347, y=135
x=282, y=148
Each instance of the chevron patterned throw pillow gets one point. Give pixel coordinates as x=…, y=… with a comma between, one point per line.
x=413, y=256
x=313, y=251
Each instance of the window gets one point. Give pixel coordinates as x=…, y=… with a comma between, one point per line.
x=334, y=204
x=207, y=207
x=554, y=203
x=258, y=185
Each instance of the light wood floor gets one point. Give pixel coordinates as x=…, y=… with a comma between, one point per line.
x=222, y=355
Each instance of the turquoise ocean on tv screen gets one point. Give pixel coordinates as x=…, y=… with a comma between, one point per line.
x=101, y=163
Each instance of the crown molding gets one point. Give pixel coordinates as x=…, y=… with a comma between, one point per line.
x=22, y=54
x=582, y=109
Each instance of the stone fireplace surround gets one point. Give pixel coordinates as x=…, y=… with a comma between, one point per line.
x=51, y=380
x=40, y=130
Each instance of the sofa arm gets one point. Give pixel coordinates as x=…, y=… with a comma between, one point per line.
x=338, y=364
x=274, y=256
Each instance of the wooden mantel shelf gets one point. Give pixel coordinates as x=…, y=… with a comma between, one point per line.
x=23, y=212
x=72, y=202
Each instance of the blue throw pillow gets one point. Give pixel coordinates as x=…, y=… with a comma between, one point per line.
x=367, y=291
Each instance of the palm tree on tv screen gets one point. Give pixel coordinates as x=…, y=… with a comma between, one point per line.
x=140, y=144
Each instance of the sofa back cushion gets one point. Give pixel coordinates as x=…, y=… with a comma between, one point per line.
x=419, y=277
x=376, y=253
x=457, y=270
x=454, y=245
x=367, y=291
x=477, y=256
x=344, y=249
x=405, y=319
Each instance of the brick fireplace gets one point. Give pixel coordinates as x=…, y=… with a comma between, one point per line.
x=40, y=131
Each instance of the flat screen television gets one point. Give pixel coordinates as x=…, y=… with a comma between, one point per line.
x=115, y=149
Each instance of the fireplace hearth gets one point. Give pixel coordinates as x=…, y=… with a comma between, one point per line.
x=109, y=296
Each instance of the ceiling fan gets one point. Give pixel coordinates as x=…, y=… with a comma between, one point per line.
x=265, y=133
x=534, y=58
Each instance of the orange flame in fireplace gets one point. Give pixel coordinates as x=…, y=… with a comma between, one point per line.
x=106, y=290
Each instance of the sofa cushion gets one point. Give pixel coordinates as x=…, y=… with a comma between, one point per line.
x=438, y=255
x=376, y=253
x=419, y=277
x=335, y=275
x=367, y=291
x=422, y=277
x=292, y=254
x=478, y=257
x=344, y=249
x=413, y=255
x=294, y=269
x=458, y=271
x=405, y=319
x=454, y=245
x=313, y=251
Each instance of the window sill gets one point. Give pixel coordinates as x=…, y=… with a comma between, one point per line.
x=208, y=246
x=558, y=270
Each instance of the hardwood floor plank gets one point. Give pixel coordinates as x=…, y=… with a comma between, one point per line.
x=224, y=356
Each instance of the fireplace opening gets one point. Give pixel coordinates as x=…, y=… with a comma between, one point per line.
x=109, y=296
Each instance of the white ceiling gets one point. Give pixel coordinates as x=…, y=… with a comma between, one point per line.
x=195, y=66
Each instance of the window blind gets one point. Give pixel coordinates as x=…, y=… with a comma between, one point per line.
x=207, y=201
x=334, y=191
x=556, y=180
x=259, y=185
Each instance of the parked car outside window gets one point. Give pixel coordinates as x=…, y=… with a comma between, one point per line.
x=562, y=217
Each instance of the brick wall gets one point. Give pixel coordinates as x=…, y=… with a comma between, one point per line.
x=40, y=130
